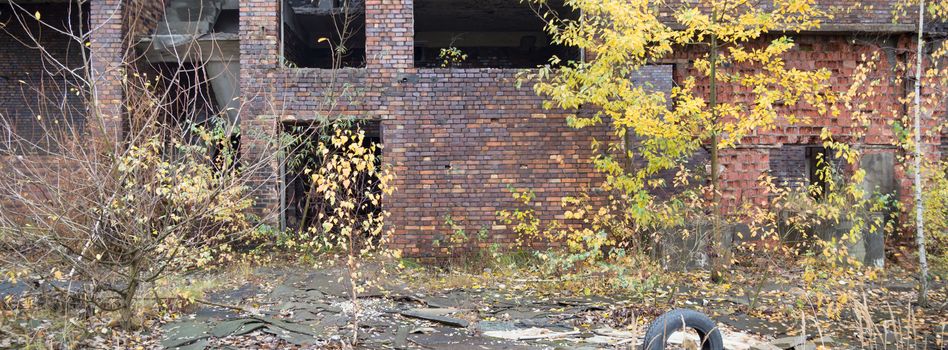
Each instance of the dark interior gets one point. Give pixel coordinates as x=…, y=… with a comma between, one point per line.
x=306, y=22
x=492, y=33
x=298, y=185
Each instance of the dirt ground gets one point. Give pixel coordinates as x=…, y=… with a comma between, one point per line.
x=292, y=307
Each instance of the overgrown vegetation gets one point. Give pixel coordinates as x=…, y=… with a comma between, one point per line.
x=117, y=221
x=655, y=133
x=347, y=182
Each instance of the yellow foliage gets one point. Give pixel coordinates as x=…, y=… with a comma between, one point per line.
x=623, y=36
x=349, y=183
x=189, y=189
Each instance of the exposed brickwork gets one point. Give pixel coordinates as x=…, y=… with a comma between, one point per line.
x=53, y=169
x=38, y=96
x=944, y=145
x=841, y=54
x=789, y=166
x=115, y=26
x=466, y=137
x=107, y=47
x=865, y=16
x=459, y=137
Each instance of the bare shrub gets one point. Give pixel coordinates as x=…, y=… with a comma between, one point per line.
x=117, y=213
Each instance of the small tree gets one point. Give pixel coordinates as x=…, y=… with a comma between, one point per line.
x=622, y=36
x=347, y=183
x=919, y=207
x=928, y=98
x=120, y=213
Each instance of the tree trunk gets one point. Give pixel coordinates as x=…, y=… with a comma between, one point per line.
x=719, y=255
x=127, y=312
x=353, y=287
x=919, y=205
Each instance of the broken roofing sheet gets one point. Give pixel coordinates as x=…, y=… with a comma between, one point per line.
x=310, y=310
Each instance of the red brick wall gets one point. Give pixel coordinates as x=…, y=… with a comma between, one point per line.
x=107, y=54
x=866, y=16
x=46, y=90
x=841, y=54
x=115, y=26
x=459, y=137
x=465, y=137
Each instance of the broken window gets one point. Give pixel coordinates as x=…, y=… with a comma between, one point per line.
x=819, y=171
x=324, y=34
x=302, y=203
x=803, y=166
x=791, y=166
x=228, y=21
x=485, y=34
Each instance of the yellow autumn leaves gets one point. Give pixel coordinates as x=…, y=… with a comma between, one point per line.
x=351, y=181
x=621, y=37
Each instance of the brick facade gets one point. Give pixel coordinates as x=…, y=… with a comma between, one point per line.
x=116, y=25
x=458, y=138
x=38, y=91
x=841, y=54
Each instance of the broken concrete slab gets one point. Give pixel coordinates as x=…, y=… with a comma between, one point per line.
x=614, y=333
x=532, y=334
x=302, y=318
x=788, y=342
x=806, y=346
x=193, y=332
x=490, y=326
x=401, y=337
x=312, y=307
x=441, y=302
x=521, y=314
x=441, y=311
x=752, y=324
x=184, y=333
x=434, y=317
x=227, y=328
x=445, y=339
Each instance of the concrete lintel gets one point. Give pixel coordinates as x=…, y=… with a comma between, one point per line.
x=312, y=11
x=292, y=118
x=221, y=47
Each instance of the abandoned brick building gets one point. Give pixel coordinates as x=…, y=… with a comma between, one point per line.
x=458, y=137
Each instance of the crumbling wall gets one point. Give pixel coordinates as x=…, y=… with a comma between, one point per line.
x=864, y=16
x=115, y=25
x=40, y=98
x=459, y=137
x=841, y=54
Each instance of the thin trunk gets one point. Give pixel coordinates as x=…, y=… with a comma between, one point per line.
x=757, y=289
x=128, y=300
x=919, y=205
x=353, y=292
x=306, y=207
x=719, y=258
